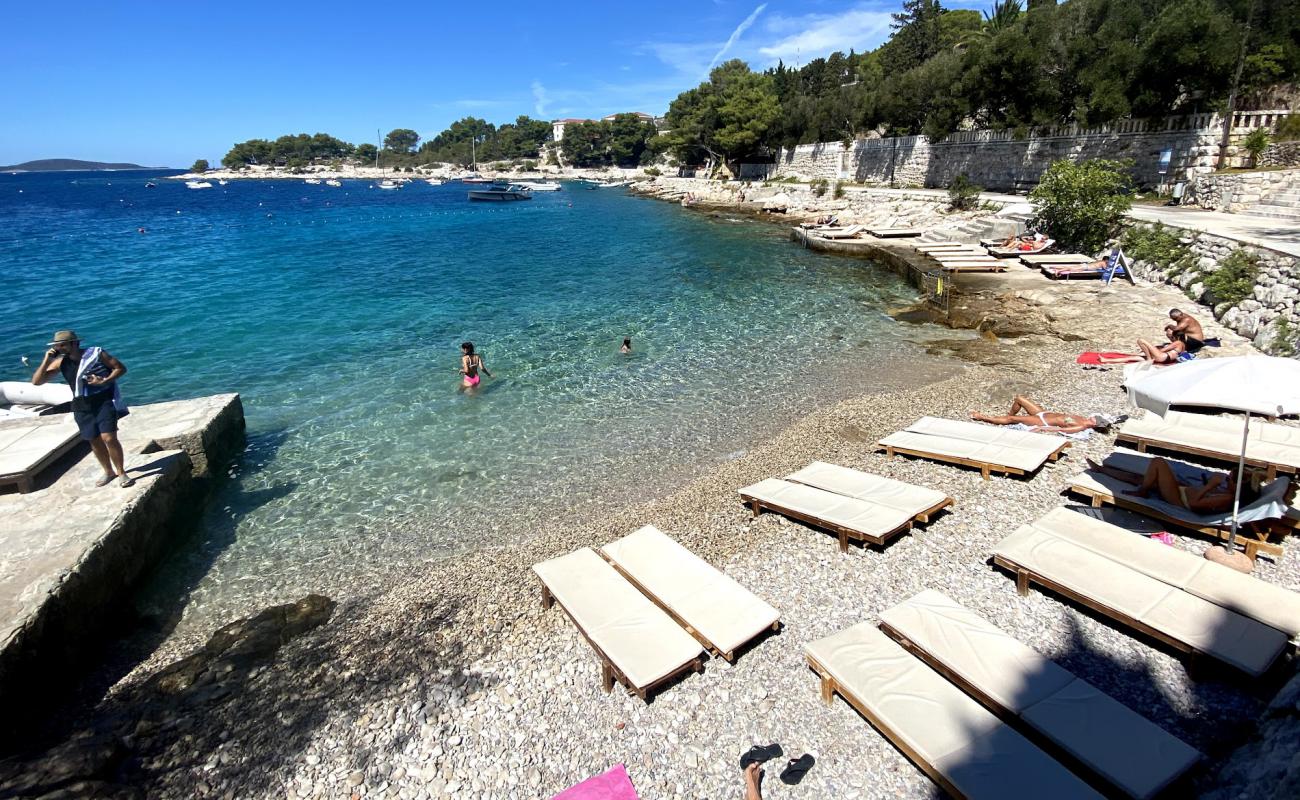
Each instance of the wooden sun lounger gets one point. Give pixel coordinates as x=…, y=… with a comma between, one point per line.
x=840, y=233
x=925, y=247
x=1270, y=447
x=1057, y=258
x=985, y=447
x=1012, y=252
x=26, y=450
x=966, y=750
x=1178, y=618
x=637, y=642
x=894, y=233
x=962, y=256
x=1065, y=715
x=721, y=614
x=1257, y=536
x=973, y=266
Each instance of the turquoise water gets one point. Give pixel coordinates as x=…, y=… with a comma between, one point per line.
x=337, y=313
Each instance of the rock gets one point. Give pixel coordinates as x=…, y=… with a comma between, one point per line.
x=356, y=778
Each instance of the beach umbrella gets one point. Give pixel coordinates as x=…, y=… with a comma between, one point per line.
x=1261, y=385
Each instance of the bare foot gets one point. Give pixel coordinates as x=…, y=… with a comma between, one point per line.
x=976, y=415
x=753, y=781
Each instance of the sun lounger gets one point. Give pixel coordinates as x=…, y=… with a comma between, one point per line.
x=846, y=517
x=713, y=607
x=894, y=233
x=636, y=641
x=987, y=448
x=966, y=750
x=1262, y=521
x=1247, y=595
x=916, y=501
x=926, y=247
x=1055, y=709
x=973, y=266
x=25, y=450
x=1057, y=258
x=1270, y=447
x=1178, y=618
x=840, y=233
x=937, y=252
x=1017, y=251
x=946, y=256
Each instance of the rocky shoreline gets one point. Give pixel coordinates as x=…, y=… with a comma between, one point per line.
x=454, y=682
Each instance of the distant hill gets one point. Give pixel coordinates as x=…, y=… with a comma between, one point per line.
x=59, y=164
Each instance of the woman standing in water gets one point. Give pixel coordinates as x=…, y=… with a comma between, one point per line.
x=470, y=365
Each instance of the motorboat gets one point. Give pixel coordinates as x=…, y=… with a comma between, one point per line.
x=151, y=185
x=508, y=192
x=333, y=182
x=476, y=180
x=389, y=185
x=313, y=181
x=222, y=182
x=198, y=185
x=541, y=186
x=433, y=181
x=614, y=185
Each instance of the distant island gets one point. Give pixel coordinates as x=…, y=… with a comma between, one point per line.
x=62, y=164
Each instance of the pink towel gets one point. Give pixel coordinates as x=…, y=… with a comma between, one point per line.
x=611, y=785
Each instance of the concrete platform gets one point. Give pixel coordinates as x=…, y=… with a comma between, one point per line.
x=71, y=552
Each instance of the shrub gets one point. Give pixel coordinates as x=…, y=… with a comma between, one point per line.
x=530, y=166
x=962, y=194
x=1158, y=246
x=653, y=172
x=1255, y=143
x=1234, y=280
x=819, y=187
x=1082, y=204
x=1284, y=339
x=200, y=165
x=838, y=194
x=1288, y=130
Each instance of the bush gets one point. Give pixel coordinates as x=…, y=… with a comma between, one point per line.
x=1288, y=130
x=1158, y=246
x=839, y=191
x=1255, y=143
x=653, y=172
x=1234, y=280
x=200, y=166
x=962, y=194
x=1081, y=205
x=530, y=166
x=819, y=187
x=1284, y=339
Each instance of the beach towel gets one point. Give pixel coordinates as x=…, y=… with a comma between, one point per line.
x=611, y=785
x=1095, y=357
x=90, y=365
x=1078, y=437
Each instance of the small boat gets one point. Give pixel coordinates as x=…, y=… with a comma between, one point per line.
x=313, y=181
x=222, y=182
x=333, y=182
x=151, y=185
x=389, y=185
x=614, y=185
x=541, y=186
x=475, y=180
x=198, y=185
x=433, y=181
x=509, y=192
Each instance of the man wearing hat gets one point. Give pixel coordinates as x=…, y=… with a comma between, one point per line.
x=96, y=400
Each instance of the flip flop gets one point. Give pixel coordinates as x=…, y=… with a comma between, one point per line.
x=760, y=754
x=797, y=768
x=126, y=481
x=105, y=480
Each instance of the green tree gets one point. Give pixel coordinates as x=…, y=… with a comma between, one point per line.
x=916, y=35
x=586, y=144
x=1082, y=204
x=201, y=165
x=366, y=153
x=726, y=118
x=401, y=140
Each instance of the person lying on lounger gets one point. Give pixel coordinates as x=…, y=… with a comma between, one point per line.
x=1027, y=240
x=1214, y=496
x=1026, y=412
x=1168, y=353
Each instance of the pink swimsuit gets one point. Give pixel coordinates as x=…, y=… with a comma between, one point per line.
x=471, y=380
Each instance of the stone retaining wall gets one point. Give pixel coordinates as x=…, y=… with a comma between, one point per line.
x=1000, y=160
x=1259, y=317
x=1233, y=192
x=1281, y=154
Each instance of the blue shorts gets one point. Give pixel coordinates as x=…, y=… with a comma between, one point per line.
x=99, y=417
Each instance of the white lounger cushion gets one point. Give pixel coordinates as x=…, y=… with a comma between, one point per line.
x=905, y=497
x=1113, y=740
x=1252, y=646
x=22, y=448
x=961, y=739
x=637, y=636
x=714, y=604
x=985, y=444
x=1267, y=441
x=1267, y=602
x=863, y=516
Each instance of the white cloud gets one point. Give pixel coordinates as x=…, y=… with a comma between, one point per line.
x=539, y=99
x=736, y=34
x=818, y=35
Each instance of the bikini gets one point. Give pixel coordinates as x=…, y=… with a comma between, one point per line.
x=471, y=372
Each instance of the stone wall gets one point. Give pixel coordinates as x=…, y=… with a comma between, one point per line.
x=1259, y=317
x=1000, y=160
x=1235, y=192
x=1281, y=154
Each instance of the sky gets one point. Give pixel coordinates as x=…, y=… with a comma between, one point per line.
x=163, y=83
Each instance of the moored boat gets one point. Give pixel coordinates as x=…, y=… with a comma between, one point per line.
x=198, y=185
x=389, y=185
x=313, y=181
x=509, y=192
x=433, y=181
x=333, y=182
x=541, y=186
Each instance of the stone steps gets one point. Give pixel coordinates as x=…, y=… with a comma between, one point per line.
x=1274, y=212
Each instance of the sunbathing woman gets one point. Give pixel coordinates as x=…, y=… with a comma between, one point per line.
x=1169, y=353
x=1026, y=412
x=1216, y=495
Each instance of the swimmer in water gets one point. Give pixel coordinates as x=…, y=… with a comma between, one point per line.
x=627, y=346
x=470, y=365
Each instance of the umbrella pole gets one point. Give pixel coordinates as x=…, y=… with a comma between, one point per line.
x=1241, y=475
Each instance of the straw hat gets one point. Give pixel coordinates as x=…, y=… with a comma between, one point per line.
x=61, y=337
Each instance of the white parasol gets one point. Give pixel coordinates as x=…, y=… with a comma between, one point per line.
x=1261, y=385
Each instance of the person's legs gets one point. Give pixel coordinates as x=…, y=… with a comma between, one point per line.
x=100, y=450
x=1116, y=473
x=1004, y=419
x=1023, y=405
x=113, y=449
x=1160, y=477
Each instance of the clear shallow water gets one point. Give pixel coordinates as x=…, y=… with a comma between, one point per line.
x=337, y=313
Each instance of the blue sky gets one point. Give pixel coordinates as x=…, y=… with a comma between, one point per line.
x=163, y=83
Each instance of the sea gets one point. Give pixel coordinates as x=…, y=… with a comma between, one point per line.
x=337, y=314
